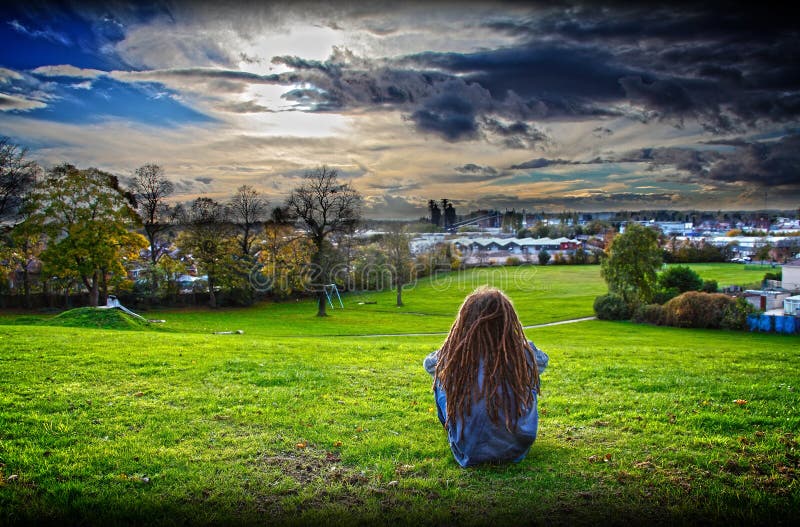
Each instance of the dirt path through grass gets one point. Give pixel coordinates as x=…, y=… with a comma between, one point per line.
x=558, y=323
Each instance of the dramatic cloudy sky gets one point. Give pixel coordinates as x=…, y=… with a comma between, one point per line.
x=578, y=106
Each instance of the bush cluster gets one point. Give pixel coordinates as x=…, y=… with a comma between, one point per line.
x=707, y=310
x=611, y=307
x=695, y=309
x=649, y=314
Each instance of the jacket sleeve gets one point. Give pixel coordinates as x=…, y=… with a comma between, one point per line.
x=430, y=362
x=541, y=357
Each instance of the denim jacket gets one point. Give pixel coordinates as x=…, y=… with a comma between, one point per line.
x=477, y=440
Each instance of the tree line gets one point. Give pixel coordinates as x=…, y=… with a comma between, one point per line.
x=81, y=227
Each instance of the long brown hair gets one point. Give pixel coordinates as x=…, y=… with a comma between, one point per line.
x=487, y=331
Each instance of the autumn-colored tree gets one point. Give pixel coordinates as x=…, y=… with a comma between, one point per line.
x=87, y=217
x=284, y=259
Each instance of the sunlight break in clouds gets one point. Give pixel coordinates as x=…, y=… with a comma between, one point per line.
x=575, y=106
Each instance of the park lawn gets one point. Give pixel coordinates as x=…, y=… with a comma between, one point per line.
x=540, y=294
x=638, y=424
x=731, y=273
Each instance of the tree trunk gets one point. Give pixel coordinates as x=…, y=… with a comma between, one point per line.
x=321, y=304
x=399, y=294
x=212, y=298
x=104, y=285
x=26, y=286
x=94, y=290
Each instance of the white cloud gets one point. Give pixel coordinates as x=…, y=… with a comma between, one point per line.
x=14, y=102
x=66, y=70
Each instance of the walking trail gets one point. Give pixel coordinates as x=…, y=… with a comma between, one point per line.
x=572, y=321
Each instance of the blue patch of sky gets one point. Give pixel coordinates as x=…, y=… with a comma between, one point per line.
x=147, y=103
x=587, y=172
x=27, y=44
x=32, y=38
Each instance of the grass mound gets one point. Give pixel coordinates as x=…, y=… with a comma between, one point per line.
x=92, y=317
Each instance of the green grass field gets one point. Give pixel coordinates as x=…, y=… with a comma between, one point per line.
x=280, y=425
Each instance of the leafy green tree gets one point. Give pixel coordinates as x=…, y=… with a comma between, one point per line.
x=87, y=217
x=681, y=278
x=631, y=265
x=396, y=242
x=325, y=208
x=210, y=239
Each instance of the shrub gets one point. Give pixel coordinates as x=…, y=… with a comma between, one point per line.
x=736, y=314
x=697, y=310
x=710, y=286
x=681, y=278
x=663, y=296
x=774, y=276
x=544, y=257
x=649, y=313
x=611, y=307
x=513, y=260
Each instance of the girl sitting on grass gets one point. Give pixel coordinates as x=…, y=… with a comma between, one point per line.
x=486, y=381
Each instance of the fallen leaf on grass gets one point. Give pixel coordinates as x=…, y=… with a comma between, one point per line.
x=740, y=402
x=600, y=459
x=302, y=444
x=138, y=394
x=337, y=444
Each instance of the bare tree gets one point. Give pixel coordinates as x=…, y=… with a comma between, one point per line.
x=324, y=207
x=151, y=189
x=17, y=176
x=248, y=210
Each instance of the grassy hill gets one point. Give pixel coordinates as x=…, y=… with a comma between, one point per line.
x=92, y=317
x=638, y=424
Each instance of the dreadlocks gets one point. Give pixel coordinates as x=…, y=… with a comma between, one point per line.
x=487, y=332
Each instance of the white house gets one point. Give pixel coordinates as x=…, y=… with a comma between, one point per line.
x=791, y=276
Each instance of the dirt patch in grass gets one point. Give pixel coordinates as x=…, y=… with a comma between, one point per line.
x=307, y=466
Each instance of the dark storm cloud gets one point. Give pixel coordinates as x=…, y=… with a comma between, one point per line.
x=204, y=180
x=471, y=172
x=537, y=70
x=472, y=168
x=594, y=201
x=696, y=162
x=540, y=163
x=766, y=164
x=727, y=72
x=449, y=116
